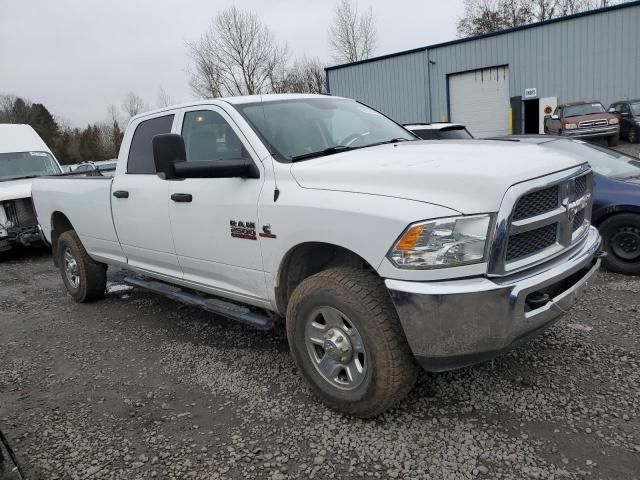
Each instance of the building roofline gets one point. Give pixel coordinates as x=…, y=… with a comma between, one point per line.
x=596, y=11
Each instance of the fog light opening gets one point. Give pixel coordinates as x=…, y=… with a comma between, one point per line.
x=537, y=299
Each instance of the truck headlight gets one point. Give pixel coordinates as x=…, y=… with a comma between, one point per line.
x=446, y=242
x=613, y=121
x=570, y=126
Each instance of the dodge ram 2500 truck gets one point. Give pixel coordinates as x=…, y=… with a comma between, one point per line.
x=379, y=251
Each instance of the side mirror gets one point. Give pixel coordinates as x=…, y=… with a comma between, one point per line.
x=547, y=116
x=168, y=150
x=216, y=169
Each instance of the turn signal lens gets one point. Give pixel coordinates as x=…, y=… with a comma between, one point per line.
x=410, y=238
x=570, y=126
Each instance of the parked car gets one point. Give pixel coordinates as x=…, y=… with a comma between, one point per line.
x=628, y=113
x=23, y=156
x=439, y=131
x=97, y=167
x=616, y=197
x=583, y=119
x=378, y=251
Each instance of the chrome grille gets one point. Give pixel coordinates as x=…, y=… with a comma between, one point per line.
x=526, y=243
x=579, y=219
x=541, y=218
x=593, y=123
x=536, y=203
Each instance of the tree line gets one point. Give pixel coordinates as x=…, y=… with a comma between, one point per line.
x=488, y=16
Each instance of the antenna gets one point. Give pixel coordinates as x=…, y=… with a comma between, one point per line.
x=276, y=190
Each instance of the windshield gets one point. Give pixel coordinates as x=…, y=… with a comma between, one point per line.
x=26, y=164
x=449, y=133
x=300, y=127
x=606, y=162
x=636, y=109
x=585, y=109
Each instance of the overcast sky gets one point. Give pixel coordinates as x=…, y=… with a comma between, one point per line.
x=78, y=56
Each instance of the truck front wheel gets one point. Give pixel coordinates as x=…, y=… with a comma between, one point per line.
x=84, y=278
x=346, y=339
x=613, y=140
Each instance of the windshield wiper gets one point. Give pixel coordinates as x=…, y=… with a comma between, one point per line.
x=322, y=153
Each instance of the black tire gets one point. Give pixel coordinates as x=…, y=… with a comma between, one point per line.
x=361, y=296
x=621, y=240
x=632, y=136
x=91, y=275
x=613, y=140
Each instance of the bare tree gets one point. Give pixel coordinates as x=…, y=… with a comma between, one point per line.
x=237, y=55
x=164, y=99
x=486, y=16
x=132, y=104
x=352, y=36
x=304, y=76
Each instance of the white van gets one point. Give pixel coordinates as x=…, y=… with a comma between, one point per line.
x=23, y=157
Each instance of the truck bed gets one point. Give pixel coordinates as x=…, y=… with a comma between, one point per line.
x=86, y=202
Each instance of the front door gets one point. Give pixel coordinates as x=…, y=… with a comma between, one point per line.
x=140, y=204
x=215, y=220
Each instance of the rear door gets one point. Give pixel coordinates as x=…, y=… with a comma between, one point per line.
x=140, y=202
x=215, y=220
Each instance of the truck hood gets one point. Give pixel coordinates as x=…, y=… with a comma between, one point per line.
x=14, y=189
x=470, y=176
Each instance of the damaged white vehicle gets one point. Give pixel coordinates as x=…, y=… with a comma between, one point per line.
x=23, y=157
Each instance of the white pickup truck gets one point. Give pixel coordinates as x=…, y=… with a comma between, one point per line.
x=381, y=252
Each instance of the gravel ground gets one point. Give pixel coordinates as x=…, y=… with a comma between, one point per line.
x=137, y=386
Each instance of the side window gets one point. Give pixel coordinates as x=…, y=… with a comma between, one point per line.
x=558, y=111
x=207, y=136
x=624, y=108
x=141, y=151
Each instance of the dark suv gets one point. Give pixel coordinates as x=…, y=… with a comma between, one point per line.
x=628, y=113
x=584, y=119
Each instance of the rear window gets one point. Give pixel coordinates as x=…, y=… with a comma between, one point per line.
x=140, y=159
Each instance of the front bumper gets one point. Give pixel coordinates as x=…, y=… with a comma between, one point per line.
x=30, y=236
x=452, y=324
x=591, y=132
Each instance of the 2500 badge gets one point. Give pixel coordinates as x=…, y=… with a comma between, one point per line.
x=244, y=230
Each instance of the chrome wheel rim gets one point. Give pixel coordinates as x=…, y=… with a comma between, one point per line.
x=625, y=243
x=71, y=270
x=336, y=348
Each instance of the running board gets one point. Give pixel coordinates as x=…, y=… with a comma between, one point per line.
x=213, y=305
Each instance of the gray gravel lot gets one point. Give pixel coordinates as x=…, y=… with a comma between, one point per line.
x=137, y=386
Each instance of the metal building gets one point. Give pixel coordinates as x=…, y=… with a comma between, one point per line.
x=504, y=82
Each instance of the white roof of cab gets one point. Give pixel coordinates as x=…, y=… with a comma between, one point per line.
x=20, y=138
x=270, y=97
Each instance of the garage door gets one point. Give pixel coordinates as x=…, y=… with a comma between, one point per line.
x=480, y=100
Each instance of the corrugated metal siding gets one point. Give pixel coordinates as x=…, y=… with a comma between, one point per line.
x=395, y=86
x=592, y=57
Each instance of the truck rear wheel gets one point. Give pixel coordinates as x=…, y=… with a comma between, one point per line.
x=346, y=339
x=84, y=278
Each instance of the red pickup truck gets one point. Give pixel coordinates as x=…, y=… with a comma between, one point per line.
x=584, y=119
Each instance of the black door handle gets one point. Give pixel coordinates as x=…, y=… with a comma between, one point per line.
x=121, y=194
x=182, y=197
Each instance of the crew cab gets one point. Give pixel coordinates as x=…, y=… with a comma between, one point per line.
x=379, y=252
x=23, y=156
x=583, y=119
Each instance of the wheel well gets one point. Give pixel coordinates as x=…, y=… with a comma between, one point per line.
x=59, y=224
x=613, y=212
x=308, y=259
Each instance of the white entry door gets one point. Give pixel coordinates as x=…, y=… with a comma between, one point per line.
x=480, y=100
